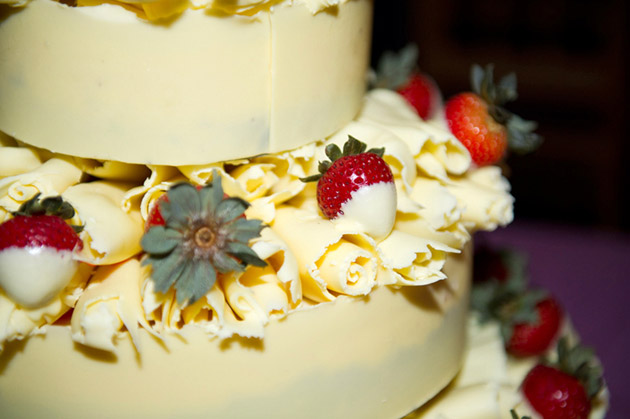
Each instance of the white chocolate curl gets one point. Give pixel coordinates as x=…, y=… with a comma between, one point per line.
x=484, y=196
x=110, y=234
x=412, y=260
x=329, y=261
x=111, y=300
x=14, y=160
x=50, y=178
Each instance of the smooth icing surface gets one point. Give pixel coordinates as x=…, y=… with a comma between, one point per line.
x=139, y=104
x=346, y=358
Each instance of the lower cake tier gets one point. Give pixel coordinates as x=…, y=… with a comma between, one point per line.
x=379, y=356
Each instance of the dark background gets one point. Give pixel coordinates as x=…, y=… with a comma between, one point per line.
x=571, y=60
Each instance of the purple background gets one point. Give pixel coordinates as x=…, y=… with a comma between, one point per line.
x=587, y=270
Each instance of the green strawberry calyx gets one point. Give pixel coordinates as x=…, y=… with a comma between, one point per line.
x=394, y=69
x=580, y=362
x=204, y=233
x=51, y=205
x=351, y=147
x=511, y=301
x=520, y=133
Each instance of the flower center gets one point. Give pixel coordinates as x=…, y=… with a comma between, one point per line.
x=204, y=237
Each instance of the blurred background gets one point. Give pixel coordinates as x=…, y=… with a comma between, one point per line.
x=571, y=59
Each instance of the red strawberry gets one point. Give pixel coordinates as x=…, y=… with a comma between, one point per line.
x=397, y=71
x=564, y=389
x=422, y=93
x=529, y=339
x=555, y=394
x=37, y=251
x=529, y=319
x=353, y=184
x=482, y=125
x=155, y=216
x=39, y=231
x=469, y=121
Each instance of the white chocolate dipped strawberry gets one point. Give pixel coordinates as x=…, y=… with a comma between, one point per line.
x=356, y=189
x=37, y=249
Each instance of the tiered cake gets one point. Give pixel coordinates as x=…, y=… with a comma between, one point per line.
x=110, y=104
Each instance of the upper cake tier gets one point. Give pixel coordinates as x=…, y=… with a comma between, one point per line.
x=201, y=86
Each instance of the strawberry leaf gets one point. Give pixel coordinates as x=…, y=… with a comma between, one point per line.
x=333, y=152
x=166, y=270
x=195, y=281
x=159, y=240
x=395, y=68
x=224, y=263
x=506, y=89
x=230, y=209
x=516, y=416
x=52, y=205
x=245, y=253
x=580, y=362
x=378, y=151
x=352, y=147
x=521, y=135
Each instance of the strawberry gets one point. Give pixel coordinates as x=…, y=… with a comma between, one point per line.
x=479, y=121
x=564, y=389
x=422, y=93
x=534, y=338
x=155, y=215
x=37, y=249
x=38, y=231
x=354, y=184
x=469, y=120
x=529, y=319
x=397, y=71
x=555, y=394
